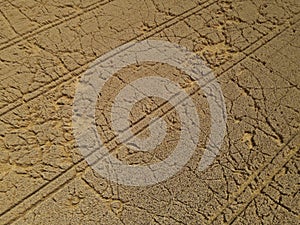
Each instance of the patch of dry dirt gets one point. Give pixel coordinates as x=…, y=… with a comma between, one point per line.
x=253, y=48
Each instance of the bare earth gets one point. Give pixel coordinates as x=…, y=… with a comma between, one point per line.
x=253, y=48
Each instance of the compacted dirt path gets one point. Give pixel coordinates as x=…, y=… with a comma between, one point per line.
x=246, y=99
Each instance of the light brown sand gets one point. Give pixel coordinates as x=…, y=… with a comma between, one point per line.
x=252, y=46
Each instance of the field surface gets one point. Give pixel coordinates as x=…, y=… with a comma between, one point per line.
x=250, y=47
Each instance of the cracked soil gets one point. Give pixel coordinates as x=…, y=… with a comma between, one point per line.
x=253, y=48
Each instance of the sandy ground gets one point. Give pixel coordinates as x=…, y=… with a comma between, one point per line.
x=253, y=49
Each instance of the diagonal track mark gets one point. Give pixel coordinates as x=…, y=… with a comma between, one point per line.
x=255, y=175
x=53, y=24
x=76, y=72
x=82, y=159
x=69, y=78
x=265, y=183
x=193, y=93
x=70, y=75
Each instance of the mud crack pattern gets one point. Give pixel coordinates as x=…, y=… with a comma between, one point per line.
x=252, y=47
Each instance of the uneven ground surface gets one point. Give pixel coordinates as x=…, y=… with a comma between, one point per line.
x=253, y=48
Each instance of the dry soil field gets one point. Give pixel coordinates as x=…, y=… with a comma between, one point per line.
x=62, y=156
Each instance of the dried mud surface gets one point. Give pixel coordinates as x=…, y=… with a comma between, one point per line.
x=253, y=48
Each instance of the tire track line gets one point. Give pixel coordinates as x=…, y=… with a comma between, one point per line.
x=258, y=172
x=76, y=72
x=80, y=161
x=37, y=197
x=83, y=161
x=169, y=110
x=6, y=215
x=264, y=184
x=194, y=92
x=81, y=69
x=55, y=23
